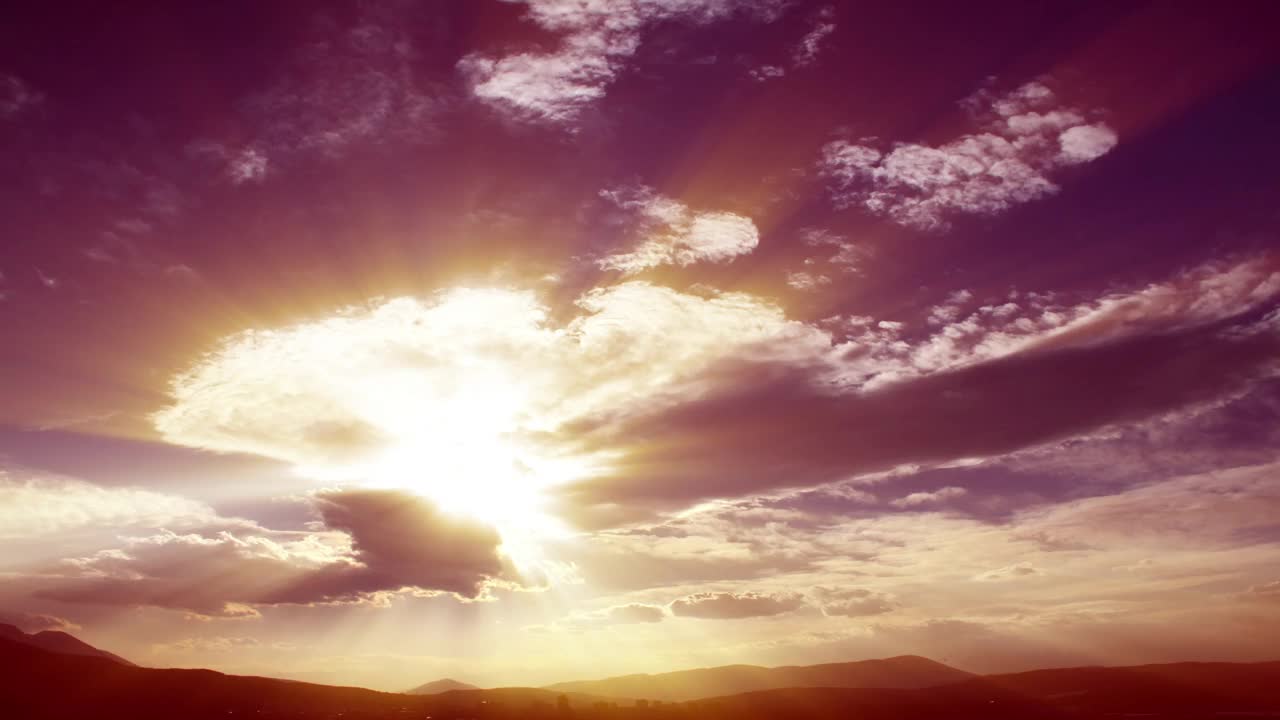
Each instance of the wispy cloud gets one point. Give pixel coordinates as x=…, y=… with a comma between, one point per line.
x=16, y=97
x=730, y=606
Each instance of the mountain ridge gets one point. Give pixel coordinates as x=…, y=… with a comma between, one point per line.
x=435, y=687
x=903, y=671
x=58, y=642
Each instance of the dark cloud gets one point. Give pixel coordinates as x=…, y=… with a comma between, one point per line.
x=402, y=540
x=727, y=605
x=768, y=427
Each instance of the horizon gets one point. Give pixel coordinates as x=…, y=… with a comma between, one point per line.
x=373, y=342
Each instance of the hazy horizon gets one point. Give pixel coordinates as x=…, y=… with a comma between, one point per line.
x=374, y=342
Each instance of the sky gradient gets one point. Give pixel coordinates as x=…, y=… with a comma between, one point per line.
x=519, y=342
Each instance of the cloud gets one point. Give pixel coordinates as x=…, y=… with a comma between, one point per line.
x=853, y=602
x=38, y=622
x=675, y=235
x=16, y=97
x=1266, y=591
x=217, y=644
x=729, y=606
x=404, y=541
x=652, y=400
x=348, y=86
x=375, y=542
x=806, y=53
x=917, y=499
x=1011, y=572
x=806, y=281
x=248, y=165
x=459, y=396
x=36, y=505
x=597, y=39
x=1199, y=338
x=636, y=613
x=1214, y=509
x=1008, y=161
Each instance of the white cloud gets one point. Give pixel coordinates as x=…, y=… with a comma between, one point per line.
x=38, y=505
x=966, y=332
x=673, y=234
x=1008, y=161
x=1083, y=143
x=464, y=390
x=598, y=38
x=917, y=499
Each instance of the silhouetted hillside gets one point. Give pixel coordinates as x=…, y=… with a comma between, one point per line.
x=58, y=642
x=36, y=684
x=907, y=671
x=435, y=687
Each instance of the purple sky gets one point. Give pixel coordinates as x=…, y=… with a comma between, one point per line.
x=525, y=341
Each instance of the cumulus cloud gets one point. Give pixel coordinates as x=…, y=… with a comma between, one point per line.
x=459, y=396
x=597, y=39
x=1010, y=160
x=673, y=234
x=729, y=606
x=652, y=400
x=375, y=542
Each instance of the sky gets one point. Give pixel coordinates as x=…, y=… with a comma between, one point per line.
x=519, y=342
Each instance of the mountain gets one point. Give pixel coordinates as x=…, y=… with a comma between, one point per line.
x=906, y=671
x=1181, y=691
x=435, y=687
x=58, y=642
x=40, y=685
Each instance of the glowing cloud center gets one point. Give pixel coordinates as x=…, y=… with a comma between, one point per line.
x=460, y=397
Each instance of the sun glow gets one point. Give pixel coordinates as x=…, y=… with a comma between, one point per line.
x=464, y=397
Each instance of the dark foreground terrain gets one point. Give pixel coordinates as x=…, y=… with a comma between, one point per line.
x=41, y=684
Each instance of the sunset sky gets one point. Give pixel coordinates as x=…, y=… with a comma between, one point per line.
x=376, y=342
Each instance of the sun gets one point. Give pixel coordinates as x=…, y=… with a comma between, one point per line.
x=463, y=443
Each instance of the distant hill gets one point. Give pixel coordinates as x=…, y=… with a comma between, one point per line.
x=906, y=671
x=435, y=687
x=40, y=685
x=1181, y=691
x=58, y=642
